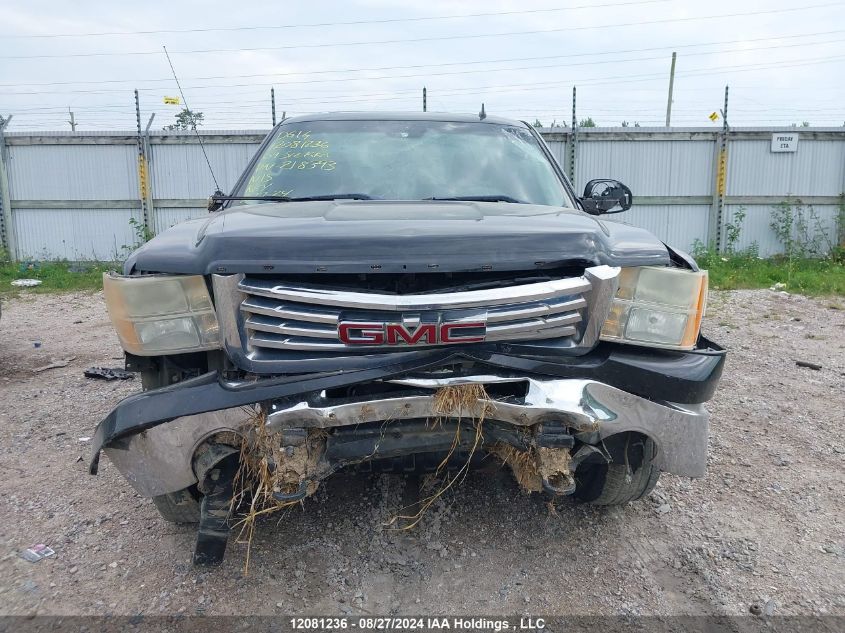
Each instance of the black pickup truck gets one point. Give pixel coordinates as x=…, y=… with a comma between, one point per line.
x=371, y=274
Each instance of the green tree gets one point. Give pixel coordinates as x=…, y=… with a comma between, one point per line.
x=186, y=120
x=2, y=120
x=537, y=123
x=588, y=122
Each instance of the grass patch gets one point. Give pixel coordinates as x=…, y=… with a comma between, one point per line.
x=54, y=276
x=807, y=276
x=812, y=277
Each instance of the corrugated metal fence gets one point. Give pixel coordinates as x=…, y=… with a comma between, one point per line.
x=82, y=196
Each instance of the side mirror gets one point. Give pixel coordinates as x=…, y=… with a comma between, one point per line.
x=606, y=196
x=214, y=203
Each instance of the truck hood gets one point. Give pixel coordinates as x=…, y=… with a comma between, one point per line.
x=353, y=236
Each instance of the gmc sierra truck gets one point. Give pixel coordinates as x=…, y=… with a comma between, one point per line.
x=366, y=264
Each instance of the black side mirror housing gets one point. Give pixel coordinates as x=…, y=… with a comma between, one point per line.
x=214, y=204
x=606, y=196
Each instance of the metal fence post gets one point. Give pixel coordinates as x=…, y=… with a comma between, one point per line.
x=713, y=213
x=148, y=154
x=573, y=141
x=717, y=207
x=143, y=170
x=7, y=227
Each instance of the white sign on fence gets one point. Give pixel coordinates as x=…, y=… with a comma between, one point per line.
x=785, y=142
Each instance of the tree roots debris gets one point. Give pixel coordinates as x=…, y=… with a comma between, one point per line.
x=267, y=468
x=272, y=464
x=523, y=465
x=459, y=402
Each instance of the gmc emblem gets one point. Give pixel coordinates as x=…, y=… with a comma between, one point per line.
x=380, y=333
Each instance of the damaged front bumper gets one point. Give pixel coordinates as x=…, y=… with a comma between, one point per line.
x=153, y=437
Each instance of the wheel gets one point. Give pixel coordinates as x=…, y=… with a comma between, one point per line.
x=613, y=483
x=181, y=506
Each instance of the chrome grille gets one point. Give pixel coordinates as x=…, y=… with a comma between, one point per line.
x=278, y=315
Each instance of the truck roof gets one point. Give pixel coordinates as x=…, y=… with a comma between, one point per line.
x=401, y=116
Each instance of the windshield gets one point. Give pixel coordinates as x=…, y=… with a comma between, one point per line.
x=406, y=160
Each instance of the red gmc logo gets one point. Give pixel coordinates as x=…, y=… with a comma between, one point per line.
x=375, y=333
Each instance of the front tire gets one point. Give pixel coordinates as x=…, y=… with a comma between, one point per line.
x=619, y=482
x=181, y=506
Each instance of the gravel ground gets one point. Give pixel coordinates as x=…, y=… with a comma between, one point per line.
x=764, y=530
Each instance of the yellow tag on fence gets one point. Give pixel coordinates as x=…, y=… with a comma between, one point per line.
x=713, y=117
x=171, y=100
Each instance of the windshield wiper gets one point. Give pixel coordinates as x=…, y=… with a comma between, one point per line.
x=215, y=202
x=334, y=196
x=496, y=198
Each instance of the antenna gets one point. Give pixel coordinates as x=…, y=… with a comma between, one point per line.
x=193, y=123
x=482, y=115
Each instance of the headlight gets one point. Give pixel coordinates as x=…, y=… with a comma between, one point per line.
x=161, y=314
x=657, y=307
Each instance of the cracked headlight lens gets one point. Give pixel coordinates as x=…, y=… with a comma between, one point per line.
x=161, y=314
x=657, y=307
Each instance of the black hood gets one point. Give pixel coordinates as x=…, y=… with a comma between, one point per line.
x=352, y=236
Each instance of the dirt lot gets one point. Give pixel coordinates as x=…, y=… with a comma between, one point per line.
x=764, y=528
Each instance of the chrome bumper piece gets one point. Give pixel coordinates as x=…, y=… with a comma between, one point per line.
x=593, y=409
x=159, y=460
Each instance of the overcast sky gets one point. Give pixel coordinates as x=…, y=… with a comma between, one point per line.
x=784, y=63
